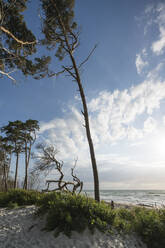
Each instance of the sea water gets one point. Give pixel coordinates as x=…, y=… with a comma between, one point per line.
x=146, y=197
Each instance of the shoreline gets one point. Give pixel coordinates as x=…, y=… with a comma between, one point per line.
x=131, y=205
x=147, y=198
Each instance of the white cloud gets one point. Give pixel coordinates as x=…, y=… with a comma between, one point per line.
x=140, y=61
x=134, y=133
x=160, y=9
x=150, y=125
x=138, y=143
x=116, y=113
x=155, y=74
x=67, y=135
x=126, y=115
x=158, y=46
x=144, y=20
x=113, y=118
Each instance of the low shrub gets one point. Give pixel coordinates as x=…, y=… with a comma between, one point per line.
x=12, y=205
x=67, y=212
x=149, y=224
x=20, y=197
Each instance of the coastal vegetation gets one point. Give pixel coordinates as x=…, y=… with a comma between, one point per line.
x=60, y=33
x=18, y=138
x=66, y=212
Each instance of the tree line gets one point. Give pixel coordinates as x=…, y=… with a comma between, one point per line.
x=16, y=138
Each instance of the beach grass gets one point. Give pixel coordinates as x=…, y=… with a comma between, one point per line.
x=19, y=197
x=66, y=213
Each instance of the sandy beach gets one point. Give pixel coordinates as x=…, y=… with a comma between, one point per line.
x=19, y=228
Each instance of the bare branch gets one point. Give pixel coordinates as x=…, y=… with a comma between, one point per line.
x=70, y=72
x=90, y=54
x=82, y=113
x=15, y=38
x=77, y=181
x=56, y=73
x=47, y=161
x=9, y=52
x=7, y=74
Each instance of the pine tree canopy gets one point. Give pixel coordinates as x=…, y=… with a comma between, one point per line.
x=17, y=42
x=53, y=32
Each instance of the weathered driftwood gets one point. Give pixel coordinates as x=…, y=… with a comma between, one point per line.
x=47, y=161
x=63, y=185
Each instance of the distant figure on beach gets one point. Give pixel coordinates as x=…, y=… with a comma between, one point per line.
x=112, y=205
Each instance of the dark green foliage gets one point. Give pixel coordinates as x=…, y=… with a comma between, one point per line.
x=13, y=136
x=19, y=137
x=12, y=19
x=14, y=32
x=12, y=205
x=149, y=224
x=13, y=132
x=20, y=197
x=123, y=219
x=67, y=212
x=52, y=29
x=5, y=159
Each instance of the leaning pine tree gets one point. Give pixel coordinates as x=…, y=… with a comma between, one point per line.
x=61, y=34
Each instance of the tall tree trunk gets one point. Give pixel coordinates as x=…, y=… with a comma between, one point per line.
x=16, y=171
x=25, y=179
x=8, y=171
x=85, y=109
x=88, y=132
x=5, y=178
x=27, y=159
x=5, y=173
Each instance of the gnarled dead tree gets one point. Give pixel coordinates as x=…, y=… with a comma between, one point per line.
x=46, y=161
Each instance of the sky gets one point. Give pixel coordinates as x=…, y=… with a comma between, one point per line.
x=124, y=83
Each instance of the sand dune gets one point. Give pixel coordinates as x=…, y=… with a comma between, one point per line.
x=20, y=229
